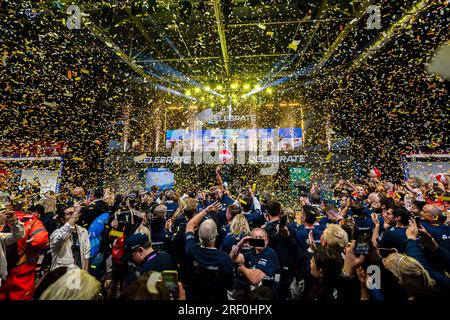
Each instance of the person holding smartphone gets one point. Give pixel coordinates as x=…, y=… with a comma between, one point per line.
x=7, y=239
x=260, y=265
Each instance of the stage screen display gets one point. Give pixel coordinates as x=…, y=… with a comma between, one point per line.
x=300, y=177
x=48, y=179
x=246, y=139
x=161, y=177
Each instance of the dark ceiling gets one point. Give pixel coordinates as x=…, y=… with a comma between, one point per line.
x=256, y=37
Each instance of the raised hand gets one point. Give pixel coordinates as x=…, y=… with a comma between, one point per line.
x=215, y=207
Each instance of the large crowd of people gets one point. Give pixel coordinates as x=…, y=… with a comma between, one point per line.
x=374, y=240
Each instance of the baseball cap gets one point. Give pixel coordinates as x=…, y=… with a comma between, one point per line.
x=132, y=243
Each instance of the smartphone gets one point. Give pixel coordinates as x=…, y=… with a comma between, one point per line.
x=283, y=220
x=363, y=239
x=417, y=218
x=170, y=281
x=258, y=243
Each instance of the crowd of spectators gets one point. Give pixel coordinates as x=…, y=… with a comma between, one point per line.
x=374, y=240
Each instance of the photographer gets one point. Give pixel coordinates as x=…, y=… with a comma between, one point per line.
x=70, y=243
x=260, y=265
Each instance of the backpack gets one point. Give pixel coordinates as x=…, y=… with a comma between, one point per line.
x=96, y=231
x=118, y=250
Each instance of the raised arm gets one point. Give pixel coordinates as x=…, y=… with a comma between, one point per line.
x=219, y=177
x=195, y=221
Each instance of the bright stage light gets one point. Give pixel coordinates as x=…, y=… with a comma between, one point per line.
x=269, y=90
x=223, y=100
x=234, y=86
x=197, y=90
x=257, y=87
x=202, y=99
x=188, y=93
x=219, y=87
x=208, y=88
x=246, y=86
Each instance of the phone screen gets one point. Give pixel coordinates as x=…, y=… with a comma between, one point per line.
x=260, y=243
x=417, y=221
x=170, y=281
x=363, y=242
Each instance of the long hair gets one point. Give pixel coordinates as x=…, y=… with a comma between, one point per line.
x=411, y=275
x=76, y=284
x=330, y=262
x=139, y=290
x=239, y=225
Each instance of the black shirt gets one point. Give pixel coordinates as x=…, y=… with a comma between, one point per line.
x=210, y=272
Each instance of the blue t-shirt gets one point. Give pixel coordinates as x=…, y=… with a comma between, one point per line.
x=302, y=236
x=326, y=221
x=171, y=208
x=179, y=220
x=221, y=216
x=393, y=238
x=292, y=227
x=266, y=261
x=440, y=233
x=210, y=272
x=229, y=241
x=255, y=219
x=159, y=239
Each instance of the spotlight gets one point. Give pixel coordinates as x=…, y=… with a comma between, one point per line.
x=234, y=86
x=269, y=90
x=219, y=87
x=246, y=86
x=188, y=93
x=197, y=90
x=223, y=100
x=257, y=87
x=208, y=88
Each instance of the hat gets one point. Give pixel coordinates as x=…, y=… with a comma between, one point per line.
x=132, y=243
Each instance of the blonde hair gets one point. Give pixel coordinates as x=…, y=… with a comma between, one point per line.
x=336, y=237
x=239, y=225
x=186, y=205
x=76, y=284
x=408, y=270
x=109, y=197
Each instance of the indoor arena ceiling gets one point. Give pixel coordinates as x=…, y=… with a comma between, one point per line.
x=222, y=40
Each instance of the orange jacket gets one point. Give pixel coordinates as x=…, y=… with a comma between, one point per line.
x=34, y=240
